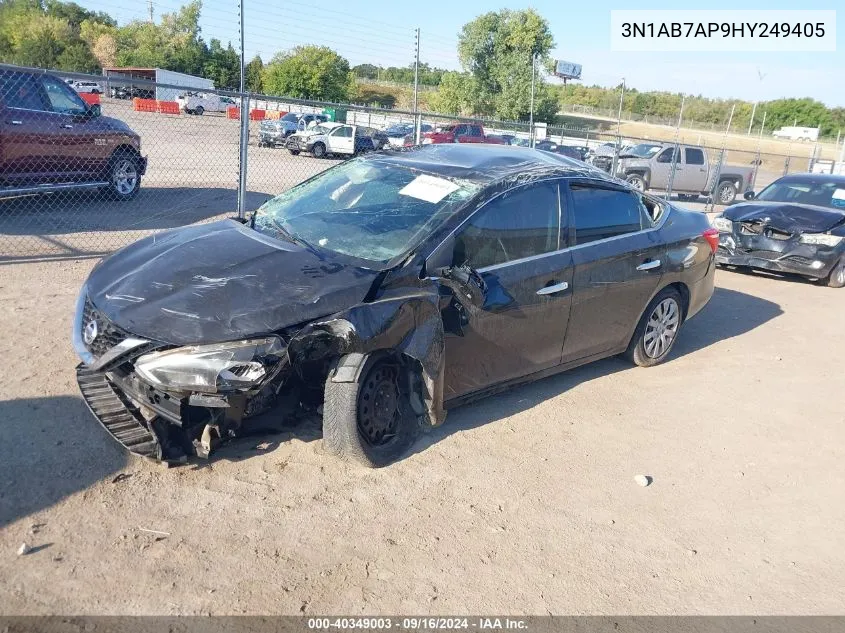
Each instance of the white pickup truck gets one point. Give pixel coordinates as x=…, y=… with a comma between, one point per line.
x=199, y=102
x=649, y=166
x=330, y=138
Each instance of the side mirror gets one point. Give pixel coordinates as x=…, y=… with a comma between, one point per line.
x=466, y=283
x=93, y=111
x=748, y=195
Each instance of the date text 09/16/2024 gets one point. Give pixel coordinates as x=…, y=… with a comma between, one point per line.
x=419, y=623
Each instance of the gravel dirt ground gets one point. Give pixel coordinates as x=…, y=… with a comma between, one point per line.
x=524, y=503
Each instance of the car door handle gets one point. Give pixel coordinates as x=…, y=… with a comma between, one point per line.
x=649, y=265
x=16, y=122
x=67, y=126
x=550, y=290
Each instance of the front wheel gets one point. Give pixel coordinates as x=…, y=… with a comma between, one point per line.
x=726, y=192
x=637, y=182
x=199, y=110
x=124, y=177
x=836, y=278
x=369, y=421
x=295, y=152
x=657, y=330
x=319, y=150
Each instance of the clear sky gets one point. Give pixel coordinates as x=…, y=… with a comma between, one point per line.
x=381, y=32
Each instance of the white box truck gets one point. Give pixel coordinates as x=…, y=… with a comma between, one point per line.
x=797, y=133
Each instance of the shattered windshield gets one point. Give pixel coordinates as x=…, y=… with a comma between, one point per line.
x=643, y=150
x=822, y=194
x=365, y=209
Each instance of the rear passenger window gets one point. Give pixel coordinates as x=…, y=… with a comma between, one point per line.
x=694, y=156
x=515, y=225
x=603, y=213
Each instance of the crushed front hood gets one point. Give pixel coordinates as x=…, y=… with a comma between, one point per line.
x=786, y=216
x=220, y=281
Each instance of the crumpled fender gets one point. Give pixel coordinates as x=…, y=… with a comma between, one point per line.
x=406, y=319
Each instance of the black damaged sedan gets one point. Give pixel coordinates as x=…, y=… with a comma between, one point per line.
x=795, y=225
x=380, y=293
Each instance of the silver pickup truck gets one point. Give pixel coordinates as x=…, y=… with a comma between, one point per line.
x=649, y=166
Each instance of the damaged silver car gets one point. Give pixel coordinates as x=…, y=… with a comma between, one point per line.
x=380, y=293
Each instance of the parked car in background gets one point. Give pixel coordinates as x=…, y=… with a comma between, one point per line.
x=274, y=132
x=52, y=141
x=459, y=133
x=795, y=225
x=91, y=87
x=201, y=102
x=402, y=134
x=649, y=166
x=557, y=148
x=132, y=92
x=330, y=139
x=382, y=292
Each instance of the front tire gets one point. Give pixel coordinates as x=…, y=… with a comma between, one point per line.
x=199, y=110
x=657, y=330
x=726, y=192
x=637, y=182
x=319, y=150
x=124, y=177
x=369, y=421
x=836, y=278
x=295, y=152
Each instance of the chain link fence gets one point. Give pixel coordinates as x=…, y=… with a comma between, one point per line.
x=89, y=163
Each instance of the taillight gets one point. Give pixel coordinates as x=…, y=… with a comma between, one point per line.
x=712, y=237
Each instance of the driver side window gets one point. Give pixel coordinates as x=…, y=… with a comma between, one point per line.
x=515, y=225
x=666, y=155
x=62, y=98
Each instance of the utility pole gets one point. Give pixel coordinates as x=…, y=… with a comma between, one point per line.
x=417, y=125
x=618, y=132
x=677, y=151
x=751, y=122
x=150, y=9
x=531, y=106
x=244, y=122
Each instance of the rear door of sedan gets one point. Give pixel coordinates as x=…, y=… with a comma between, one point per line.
x=619, y=257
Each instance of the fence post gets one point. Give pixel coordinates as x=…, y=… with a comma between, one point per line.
x=243, y=155
x=677, y=151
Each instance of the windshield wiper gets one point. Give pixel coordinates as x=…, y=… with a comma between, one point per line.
x=287, y=234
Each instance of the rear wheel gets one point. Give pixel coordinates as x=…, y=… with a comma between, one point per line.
x=657, y=330
x=369, y=421
x=725, y=192
x=319, y=150
x=836, y=278
x=199, y=110
x=124, y=177
x=295, y=152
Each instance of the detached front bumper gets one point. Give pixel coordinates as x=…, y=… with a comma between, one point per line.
x=783, y=256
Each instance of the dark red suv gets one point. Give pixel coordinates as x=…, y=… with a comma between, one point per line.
x=51, y=140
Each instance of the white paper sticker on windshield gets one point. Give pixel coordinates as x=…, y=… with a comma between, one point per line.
x=839, y=194
x=428, y=188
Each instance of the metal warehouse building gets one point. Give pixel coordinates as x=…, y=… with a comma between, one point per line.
x=160, y=76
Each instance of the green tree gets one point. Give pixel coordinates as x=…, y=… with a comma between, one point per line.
x=366, y=71
x=498, y=48
x=461, y=94
x=308, y=72
x=254, y=71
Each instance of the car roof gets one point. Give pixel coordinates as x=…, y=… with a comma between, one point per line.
x=487, y=164
x=814, y=179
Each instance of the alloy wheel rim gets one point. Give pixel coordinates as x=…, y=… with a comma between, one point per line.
x=725, y=194
x=661, y=328
x=638, y=184
x=125, y=176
